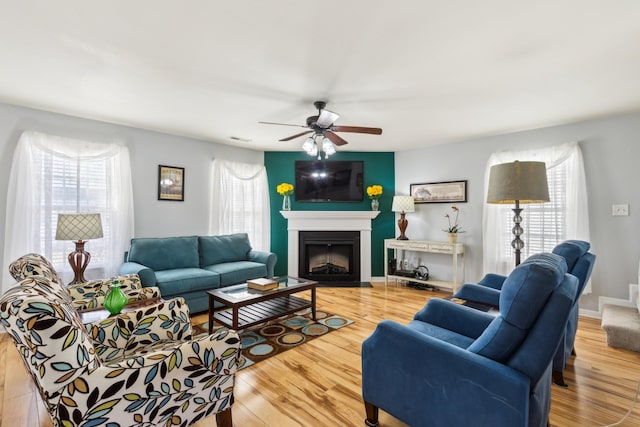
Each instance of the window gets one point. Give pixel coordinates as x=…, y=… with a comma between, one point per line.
x=52, y=175
x=240, y=202
x=545, y=224
x=71, y=184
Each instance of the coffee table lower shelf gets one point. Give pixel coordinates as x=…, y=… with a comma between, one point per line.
x=260, y=312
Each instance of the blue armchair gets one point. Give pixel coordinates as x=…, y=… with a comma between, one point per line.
x=457, y=366
x=579, y=262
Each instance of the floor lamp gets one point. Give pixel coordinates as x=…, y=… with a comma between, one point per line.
x=518, y=182
x=79, y=228
x=402, y=204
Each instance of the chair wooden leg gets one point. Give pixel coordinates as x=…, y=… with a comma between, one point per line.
x=224, y=419
x=372, y=415
x=558, y=379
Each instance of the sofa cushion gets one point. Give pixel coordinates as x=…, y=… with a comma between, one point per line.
x=498, y=341
x=238, y=271
x=165, y=253
x=442, y=334
x=219, y=249
x=571, y=250
x=182, y=280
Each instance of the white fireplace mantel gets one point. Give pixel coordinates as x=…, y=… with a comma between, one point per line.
x=330, y=221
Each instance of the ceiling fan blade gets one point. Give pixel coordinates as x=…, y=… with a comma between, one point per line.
x=282, y=124
x=357, y=129
x=326, y=118
x=289, y=138
x=335, y=138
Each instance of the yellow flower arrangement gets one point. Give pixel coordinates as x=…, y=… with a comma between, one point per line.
x=285, y=189
x=374, y=191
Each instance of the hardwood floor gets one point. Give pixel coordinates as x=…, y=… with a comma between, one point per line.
x=318, y=383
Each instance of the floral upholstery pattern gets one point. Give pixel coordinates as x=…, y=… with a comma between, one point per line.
x=141, y=331
x=86, y=295
x=33, y=265
x=170, y=382
x=91, y=294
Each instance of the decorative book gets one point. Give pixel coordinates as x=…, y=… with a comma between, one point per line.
x=262, y=284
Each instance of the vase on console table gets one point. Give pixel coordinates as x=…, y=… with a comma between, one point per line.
x=453, y=237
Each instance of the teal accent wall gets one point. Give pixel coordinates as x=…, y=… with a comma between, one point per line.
x=378, y=169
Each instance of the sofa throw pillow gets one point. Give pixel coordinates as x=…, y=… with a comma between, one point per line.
x=225, y=248
x=165, y=253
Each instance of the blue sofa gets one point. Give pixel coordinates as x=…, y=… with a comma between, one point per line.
x=579, y=263
x=457, y=366
x=191, y=265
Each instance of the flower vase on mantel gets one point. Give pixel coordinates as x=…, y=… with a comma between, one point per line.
x=453, y=237
x=115, y=299
x=286, y=203
x=375, y=205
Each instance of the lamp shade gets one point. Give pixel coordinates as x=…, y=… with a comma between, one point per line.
x=525, y=182
x=84, y=226
x=402, y=204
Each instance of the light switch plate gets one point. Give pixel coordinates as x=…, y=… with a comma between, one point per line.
x=620, y=210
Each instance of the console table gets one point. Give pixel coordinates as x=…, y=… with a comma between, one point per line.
x=454, y=249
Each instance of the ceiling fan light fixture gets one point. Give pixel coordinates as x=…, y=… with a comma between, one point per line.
x=313, y=150
x=328, y=147
x=308, y=144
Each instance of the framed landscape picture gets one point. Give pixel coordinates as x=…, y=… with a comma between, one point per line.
x=439, y=192
x=170, y=183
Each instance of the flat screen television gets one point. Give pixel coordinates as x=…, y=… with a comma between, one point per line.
x=329, y=181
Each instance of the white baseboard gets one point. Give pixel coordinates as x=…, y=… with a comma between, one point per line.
x=631, y=302
x=590, y=313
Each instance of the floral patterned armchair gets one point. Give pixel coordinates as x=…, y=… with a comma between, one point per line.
x=86, y=295
x=141, y=369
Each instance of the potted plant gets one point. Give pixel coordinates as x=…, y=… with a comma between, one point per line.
x=453, y=229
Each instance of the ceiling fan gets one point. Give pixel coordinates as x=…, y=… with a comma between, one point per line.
x=323, y=125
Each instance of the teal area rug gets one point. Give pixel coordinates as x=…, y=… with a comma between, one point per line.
x=276, y=336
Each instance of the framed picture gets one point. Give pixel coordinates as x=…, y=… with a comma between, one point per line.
x=439, y=192
x=170, y=183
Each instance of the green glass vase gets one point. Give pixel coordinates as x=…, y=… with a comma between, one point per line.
x=115, y=299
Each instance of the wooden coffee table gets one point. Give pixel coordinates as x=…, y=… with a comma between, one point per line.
x=243, y=307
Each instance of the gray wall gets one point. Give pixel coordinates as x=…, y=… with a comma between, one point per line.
x=148, y=150
x=611, y=151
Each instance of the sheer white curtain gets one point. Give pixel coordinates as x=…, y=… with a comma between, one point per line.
x=52, y=175
x=546, y=224
x=240, y=202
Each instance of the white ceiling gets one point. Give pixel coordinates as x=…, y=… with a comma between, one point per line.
x=427, y=71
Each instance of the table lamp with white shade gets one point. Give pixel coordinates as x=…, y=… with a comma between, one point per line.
x=79, y=227
x=402, y=204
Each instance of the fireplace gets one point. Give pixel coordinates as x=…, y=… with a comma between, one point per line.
x=358, y=221
x=329, y=256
